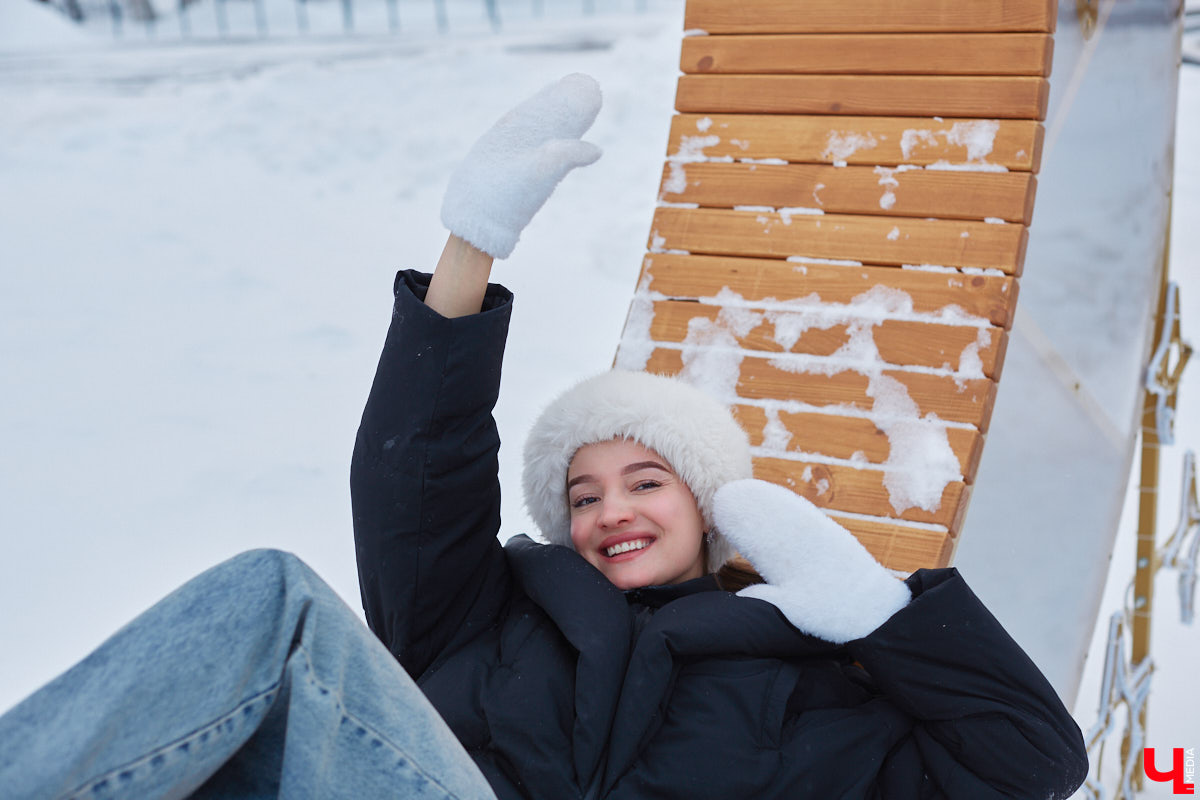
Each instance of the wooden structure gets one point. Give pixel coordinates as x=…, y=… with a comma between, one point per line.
x=840, y=236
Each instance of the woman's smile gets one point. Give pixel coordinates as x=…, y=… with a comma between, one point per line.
x=630, y=545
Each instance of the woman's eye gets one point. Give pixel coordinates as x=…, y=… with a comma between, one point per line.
x=647, y=485
x=580, y=502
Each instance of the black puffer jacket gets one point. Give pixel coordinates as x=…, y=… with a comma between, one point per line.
x=561, y=686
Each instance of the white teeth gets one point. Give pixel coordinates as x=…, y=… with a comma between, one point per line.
x=625, y=547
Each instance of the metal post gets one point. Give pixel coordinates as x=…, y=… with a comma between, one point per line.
x=493, y=14
x=347, y=16
x=260, y=18
x=393, y=16
x=222, y=22
x=114, y=11
x=185, y=28
x=1147, y=557
x=301, y=16
x=439, y=7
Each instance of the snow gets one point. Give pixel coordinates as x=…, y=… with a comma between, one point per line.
x=787, y=212
x=977, y=136
x=949, y=166
x=887, y=179
x=27, y=26
x=197, y=247
x=691, y=149
x=841, y=146
x=776, y=436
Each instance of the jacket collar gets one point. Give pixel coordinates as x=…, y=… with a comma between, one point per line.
x=659, y=596
x=620, y=688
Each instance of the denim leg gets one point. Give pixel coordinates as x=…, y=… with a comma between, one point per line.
x=251, y=680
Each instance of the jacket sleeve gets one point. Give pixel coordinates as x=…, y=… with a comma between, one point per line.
x=423, y=478
x=987, y=723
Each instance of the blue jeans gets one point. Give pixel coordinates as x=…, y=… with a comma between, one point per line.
x=252, y=680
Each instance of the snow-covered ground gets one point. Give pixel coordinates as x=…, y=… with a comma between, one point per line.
x=197, y=244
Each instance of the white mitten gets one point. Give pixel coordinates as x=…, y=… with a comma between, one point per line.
x=821, y=578
x=511, y=171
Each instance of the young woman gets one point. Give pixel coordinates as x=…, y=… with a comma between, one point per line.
x=612, y=663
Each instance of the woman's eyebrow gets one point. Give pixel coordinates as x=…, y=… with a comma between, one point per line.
x=580, y=479
x=643, y=465
x=626, y=471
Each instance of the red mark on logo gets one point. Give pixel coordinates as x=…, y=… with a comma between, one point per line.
x=1177, y=773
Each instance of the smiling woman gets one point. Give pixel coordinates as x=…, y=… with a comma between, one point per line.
x=611, y=662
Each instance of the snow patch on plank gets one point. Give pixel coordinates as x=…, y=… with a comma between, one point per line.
x=788, y=212
x=691, y=150
x=978, y=137
x=841, y=145
x=776, y=436
x=840, y=262
x=968, y=167
x=887, y=179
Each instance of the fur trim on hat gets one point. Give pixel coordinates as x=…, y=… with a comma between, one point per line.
x=697, y=435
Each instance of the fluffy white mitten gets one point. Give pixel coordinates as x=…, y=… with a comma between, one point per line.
x=511, y=170
x=821, y=578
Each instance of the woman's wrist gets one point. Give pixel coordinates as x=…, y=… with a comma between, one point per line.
x=460, y=280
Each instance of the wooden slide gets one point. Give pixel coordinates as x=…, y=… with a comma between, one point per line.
x=842, y=224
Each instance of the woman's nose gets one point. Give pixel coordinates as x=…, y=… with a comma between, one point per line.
x=616, y=512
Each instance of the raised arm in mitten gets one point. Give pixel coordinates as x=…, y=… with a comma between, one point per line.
x=424, y=473
x=506, y=177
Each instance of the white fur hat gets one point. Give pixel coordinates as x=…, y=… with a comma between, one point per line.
x=697, y=436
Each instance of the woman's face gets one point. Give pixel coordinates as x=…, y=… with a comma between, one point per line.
x=632, y=516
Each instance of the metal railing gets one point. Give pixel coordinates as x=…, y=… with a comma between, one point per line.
x=238, y=19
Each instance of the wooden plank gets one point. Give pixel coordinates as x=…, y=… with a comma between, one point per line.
x=850, y=437
x=874, y=239
x=900, y=342
x=860, y=491
x=886, y=54
x=992, y=297
x=986, y=143
x=854, y=190
x=883, y=95
x=882, y=16
x=968, y=401
x=900, y=547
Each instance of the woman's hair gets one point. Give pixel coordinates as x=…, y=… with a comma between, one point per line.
x=737, y=574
